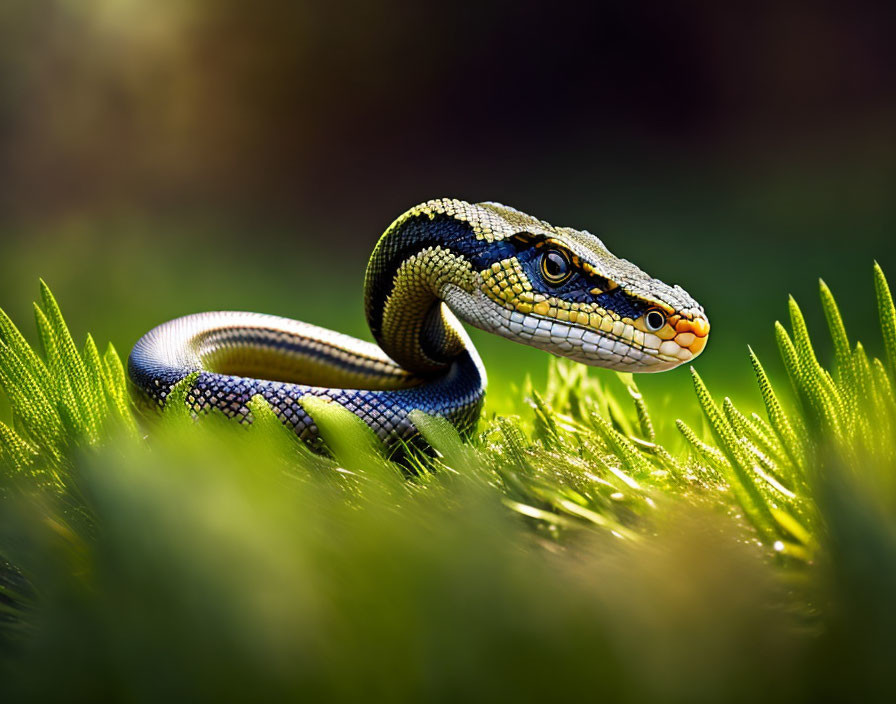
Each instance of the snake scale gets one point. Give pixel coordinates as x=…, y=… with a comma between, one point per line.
x=441, y=262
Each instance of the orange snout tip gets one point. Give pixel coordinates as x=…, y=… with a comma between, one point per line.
x=700, y=327
x=696, y=347
x=693, y=334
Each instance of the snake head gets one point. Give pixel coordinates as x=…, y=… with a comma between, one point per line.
x=561, y=290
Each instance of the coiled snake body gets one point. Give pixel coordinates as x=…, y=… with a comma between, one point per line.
x=489, y=265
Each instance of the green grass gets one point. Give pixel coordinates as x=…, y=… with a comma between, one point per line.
x=565, y=552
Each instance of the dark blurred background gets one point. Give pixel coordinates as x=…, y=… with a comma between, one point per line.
x=159, y=158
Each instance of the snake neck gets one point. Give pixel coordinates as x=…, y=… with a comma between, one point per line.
x=416, y=265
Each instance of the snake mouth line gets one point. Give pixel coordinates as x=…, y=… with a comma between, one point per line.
x=608, y=343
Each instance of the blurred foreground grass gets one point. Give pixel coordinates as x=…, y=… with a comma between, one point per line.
x=564, y=553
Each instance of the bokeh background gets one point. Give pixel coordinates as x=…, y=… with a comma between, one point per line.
x=160, y=158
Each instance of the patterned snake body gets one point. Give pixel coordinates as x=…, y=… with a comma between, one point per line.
x=440, y=263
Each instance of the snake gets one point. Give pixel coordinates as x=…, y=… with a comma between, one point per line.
x=442, y=263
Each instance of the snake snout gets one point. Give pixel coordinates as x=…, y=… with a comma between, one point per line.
x=683, y=337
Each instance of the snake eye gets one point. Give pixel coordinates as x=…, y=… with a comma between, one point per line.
x=555, y=266
x=654, y=320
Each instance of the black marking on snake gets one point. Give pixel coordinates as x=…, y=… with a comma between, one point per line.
x=412, y=237
x=623, y=304
x=282, y=340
